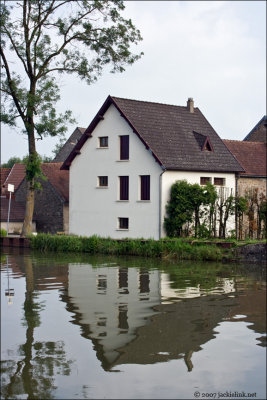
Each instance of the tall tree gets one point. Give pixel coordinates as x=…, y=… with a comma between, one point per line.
x=40, y=38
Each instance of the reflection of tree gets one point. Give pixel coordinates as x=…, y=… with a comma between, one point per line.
x=34, y=373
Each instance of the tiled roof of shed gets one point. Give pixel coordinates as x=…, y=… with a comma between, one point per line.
x=168, y=131
x=58, y=178
x=3, y=175
x=251, y=155
x=69, y=145
x=15, y=176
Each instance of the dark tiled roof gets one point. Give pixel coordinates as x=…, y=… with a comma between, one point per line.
x=69, y=145
x=17, y=210
x=58, y=178
x=168, y=131
x=251, y=155
x=3, y=175
x=259, y=132
x=15, y=176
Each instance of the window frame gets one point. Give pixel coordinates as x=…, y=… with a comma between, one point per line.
x=99, y=179
x=219, y=184
x=207, y=180
x=124, y=147
x=121, y=222
x=124, y=188
x=145, y=185
x=103, y=139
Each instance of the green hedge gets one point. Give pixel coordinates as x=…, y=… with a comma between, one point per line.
x=164, y=248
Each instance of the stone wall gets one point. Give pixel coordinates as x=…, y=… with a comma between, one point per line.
x=254, y=189
x=48, y=208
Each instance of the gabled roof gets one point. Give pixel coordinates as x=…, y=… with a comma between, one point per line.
x=58, y=178
x=4, y=172
x=168, y=131
x=15, y=177
x=259, y=132
x=69, y=145
x=251, y=155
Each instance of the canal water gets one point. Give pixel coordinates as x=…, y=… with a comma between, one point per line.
x=86, y=327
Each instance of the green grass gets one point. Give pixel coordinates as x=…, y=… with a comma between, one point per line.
x=178, y=249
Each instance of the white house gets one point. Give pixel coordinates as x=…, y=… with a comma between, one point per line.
x=123, y=166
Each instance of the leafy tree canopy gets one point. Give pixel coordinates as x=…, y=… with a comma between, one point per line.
x=40, y=38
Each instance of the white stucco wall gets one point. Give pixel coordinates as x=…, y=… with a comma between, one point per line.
x=95, y=210
x=170, y=177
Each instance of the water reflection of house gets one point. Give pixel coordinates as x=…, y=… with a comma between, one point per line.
x=136, y=315
x=113, y=302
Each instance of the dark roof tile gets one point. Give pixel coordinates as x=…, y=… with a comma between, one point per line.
x=168, y=131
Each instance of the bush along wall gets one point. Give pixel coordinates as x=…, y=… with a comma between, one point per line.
x=166, y=248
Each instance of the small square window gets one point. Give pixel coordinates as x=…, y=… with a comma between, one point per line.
x=204, y=180
x=219, y=181
x=103, y=181
x=103, y=141
x=123, y=223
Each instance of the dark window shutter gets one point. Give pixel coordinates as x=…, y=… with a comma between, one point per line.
x=124, y=187
x=145, y=187
x=124, y=147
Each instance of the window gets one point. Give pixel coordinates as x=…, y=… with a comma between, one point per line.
x=124, y=147
x=204, y=180
x=103, y=141
x=103, y=181
x=123, y=223
x=219, y=181
x=145, y=187
x=124, y=187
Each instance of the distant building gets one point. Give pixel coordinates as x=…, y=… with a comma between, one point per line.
x=252, y=182
x=51, y=208
x=69, y=145
x=259, y=132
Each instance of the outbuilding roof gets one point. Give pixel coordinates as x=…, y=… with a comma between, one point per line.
x=251, y=155
x=69, y=145
x=174, y=134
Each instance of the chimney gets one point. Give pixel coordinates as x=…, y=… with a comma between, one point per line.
x=190, y=104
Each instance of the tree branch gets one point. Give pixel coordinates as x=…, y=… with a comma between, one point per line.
x=16, y=50
x=13, y=94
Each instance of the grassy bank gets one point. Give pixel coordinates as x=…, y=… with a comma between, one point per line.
x=173, y=249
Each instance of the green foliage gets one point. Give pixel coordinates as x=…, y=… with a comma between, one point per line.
x=165, y=248
x=47, y=37
x=11, y=162
x=186, y=204
x=3, y=232
x=33, y=169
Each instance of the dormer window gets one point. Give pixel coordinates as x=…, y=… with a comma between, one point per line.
x=203, y=141
x=207, y=146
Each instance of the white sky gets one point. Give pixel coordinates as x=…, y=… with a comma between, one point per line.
x=213, y=51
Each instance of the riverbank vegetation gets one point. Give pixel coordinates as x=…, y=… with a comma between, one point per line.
x=179, y=249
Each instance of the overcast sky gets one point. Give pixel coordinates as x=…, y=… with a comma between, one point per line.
x=213, y=51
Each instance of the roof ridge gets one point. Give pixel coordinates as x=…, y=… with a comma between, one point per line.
x=149, y=102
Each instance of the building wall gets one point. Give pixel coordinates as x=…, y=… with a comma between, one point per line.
x=170, y=177
x=48, y=207
x=259, y=134
x=95, y=210
x=66, y=218
x=249, y=187
x=15, y=227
